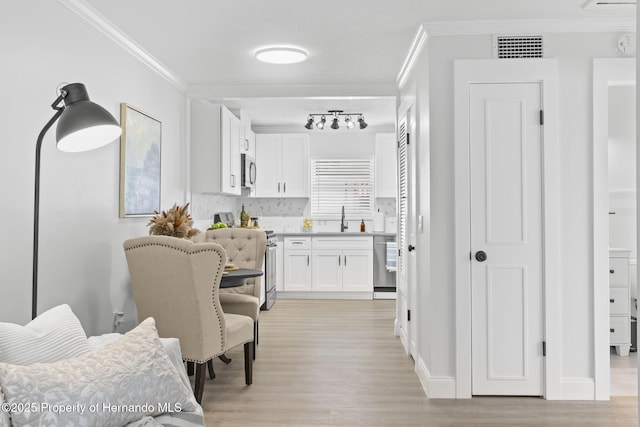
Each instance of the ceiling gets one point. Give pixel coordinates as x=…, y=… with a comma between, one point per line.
x=356, y=47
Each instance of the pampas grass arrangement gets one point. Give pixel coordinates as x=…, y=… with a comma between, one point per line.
x=175, y=222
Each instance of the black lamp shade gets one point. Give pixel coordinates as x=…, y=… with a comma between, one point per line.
x=362, y=123
x=335, y=124
x=83, y=124
x=309, y=124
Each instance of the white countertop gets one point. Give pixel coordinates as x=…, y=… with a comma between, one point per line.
x=337, y=233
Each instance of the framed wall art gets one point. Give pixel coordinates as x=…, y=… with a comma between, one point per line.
x=140, y=145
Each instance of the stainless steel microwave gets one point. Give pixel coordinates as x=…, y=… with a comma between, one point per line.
x=248, y=171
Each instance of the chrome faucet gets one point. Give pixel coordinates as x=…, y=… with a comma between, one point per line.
x=343, y=224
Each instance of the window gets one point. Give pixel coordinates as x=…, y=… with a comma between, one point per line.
x=336, y=183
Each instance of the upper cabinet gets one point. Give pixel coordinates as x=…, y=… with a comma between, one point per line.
x=385, y=165
x=247, y=136
x=283, y=165
x=215, y=149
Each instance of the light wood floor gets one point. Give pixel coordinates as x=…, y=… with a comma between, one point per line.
x=337, y=363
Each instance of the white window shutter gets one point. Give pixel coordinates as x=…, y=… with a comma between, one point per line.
x=336, y=183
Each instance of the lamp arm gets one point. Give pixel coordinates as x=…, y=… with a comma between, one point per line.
x=36, y=207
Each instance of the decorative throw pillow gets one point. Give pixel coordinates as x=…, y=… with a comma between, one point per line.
x=54, y=335
x=120, y=383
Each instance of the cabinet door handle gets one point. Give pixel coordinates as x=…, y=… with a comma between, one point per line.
x=278, y=187
x=339, y=260
x=612, y=300
x=307, y=260
x=233, y=180
x=345, y=260
x=612, y=271
x=284, y=187
x=612, y=330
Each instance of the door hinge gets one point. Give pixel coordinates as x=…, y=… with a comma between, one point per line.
x=544, y=348
x=541, y=117
x=408, y=315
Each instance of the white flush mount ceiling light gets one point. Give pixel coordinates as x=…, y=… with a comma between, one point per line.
x=281, y=54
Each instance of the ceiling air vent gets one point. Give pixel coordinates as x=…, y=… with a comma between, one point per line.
x=518, y=47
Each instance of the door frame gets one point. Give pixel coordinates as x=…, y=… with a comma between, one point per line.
x=545, y=72
x=606, y=72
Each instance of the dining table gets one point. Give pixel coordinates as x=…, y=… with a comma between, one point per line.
x=236, y=277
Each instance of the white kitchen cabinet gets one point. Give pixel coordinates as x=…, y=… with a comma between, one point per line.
x=283, y=162
x=247, y=136
x=386, y=165
x=342, y=264
x=215, y=149
x=619, y=301
x=297, y=264
x=348, y=270
x=327, y=270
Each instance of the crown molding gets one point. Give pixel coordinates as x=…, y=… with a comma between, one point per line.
x=98, y=21
x=300, y=129
x=529, y=26
x=289, y=91
x=412, y=56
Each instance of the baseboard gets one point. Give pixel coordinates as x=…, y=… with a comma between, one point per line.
x=577, y=389
x=435, y=387
x=324, y=295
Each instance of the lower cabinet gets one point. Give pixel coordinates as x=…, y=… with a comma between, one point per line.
x=297, y=264
x=348, y=270
x=619, y=301
x=329, y=264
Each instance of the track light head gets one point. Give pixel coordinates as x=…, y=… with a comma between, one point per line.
x=362, y=123
x=349, y=122
x=320, y=124
x=309, y=124
x=335, y=124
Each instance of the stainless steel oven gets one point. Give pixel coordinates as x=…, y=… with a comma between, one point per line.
x=270, y=266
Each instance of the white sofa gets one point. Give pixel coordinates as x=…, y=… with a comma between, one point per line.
x=52, y=374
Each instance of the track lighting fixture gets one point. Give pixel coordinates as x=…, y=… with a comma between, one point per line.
x=362, y=123
x=335, y=122
x=309, y=124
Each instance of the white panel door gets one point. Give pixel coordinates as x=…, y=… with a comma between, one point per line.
x=357, y=270
x=506, y=225
x=327, y=270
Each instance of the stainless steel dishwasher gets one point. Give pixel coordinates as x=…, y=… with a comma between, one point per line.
x=384, y=281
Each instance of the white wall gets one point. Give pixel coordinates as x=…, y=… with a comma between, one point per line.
x=622, y=168
x=81, y=258
x=437, y=130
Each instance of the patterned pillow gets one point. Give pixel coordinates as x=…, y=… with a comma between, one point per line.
x=54, y=335
x=117, y=384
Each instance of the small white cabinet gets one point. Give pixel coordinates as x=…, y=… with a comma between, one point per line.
x=342, y=264
x=297, y=264
x=386, y=165
x=619, y=301
x=247, y=136
x=283, y=162
x=215, y=149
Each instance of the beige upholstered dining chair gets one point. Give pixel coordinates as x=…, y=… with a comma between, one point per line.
x=177, y=283
x=245, y=248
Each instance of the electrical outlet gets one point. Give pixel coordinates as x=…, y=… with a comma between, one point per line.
x=118, y=320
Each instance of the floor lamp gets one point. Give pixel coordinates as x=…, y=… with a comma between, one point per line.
x=83, y=126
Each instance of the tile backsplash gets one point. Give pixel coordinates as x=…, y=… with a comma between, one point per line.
x=279, y=214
